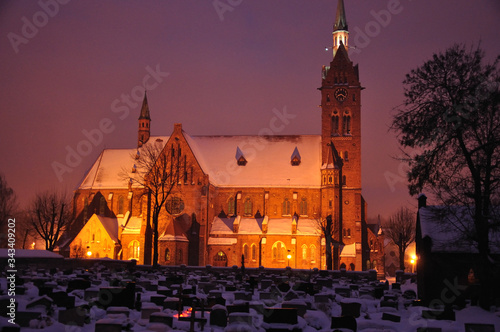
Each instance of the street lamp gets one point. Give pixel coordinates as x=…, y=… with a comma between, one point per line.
x=413, y=261
x=289, y=256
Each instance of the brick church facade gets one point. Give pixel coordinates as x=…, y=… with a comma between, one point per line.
x=263, y=198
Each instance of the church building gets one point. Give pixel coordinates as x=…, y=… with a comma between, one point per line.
x=261, y=199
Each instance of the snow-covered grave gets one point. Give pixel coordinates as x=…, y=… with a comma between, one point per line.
x=224, y=299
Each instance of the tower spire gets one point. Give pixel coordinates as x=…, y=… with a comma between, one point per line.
x=340, y=30
x=144, y=122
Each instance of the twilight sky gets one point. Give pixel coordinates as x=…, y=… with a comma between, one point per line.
x=72, y=69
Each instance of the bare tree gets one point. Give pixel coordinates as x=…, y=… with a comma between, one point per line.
x=7, y=208
x=329, y=229
x=401, y=230
x=451, y=122
x=26, y=233
x=157, y=171
x=50, y=215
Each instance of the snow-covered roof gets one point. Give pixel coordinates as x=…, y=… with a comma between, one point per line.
x=173, y=232
x=111, y=165
x=451, y=228
x=349, y=250
x=111, y=226
x=268, y=160
x=133, y=226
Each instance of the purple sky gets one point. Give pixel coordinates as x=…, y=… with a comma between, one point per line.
x=227, y=71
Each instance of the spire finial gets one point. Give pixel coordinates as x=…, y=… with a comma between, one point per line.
x=340, y=31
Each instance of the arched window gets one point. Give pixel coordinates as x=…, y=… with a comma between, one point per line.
x=347, y=124
x=254, y=252
x=303, y=207
x=220, y=257
x=102, y=206
x=352, y=267
x=231, y=206
x=167, y=255
x=247, y=207
x=342, y=266
x=286, y=207
x=346, y=156
x=179, y=256
x=313, y=253
x=120, y=205
x=335, y=125
x=304, y=252
x=98, y=237
x=245, y=251
x=279, y=251
x=368, y=265
x=374, y=265
x=134, y=250
x=85, y=209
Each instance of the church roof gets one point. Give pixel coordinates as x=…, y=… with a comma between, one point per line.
x=145, y=109
x=268, y=160
x=108, y=172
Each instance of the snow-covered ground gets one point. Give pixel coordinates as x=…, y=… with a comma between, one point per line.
x=317, y=309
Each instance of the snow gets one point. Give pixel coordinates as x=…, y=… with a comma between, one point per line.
x=317, y=317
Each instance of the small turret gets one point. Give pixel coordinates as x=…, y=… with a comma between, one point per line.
x=144, y=123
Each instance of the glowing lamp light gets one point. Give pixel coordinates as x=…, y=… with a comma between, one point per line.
x=289, y=256
x=413, y=259
x=89, y=253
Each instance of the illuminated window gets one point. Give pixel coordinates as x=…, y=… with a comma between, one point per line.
x=167, y=254
x=134, y=250
x=313, y=253
x=220, y=257
x=279, y=251
x=304, y=252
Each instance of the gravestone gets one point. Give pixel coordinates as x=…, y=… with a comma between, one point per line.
x=469, y=327
x=391, y=317
x=108, y=325
x=351, y=309
x=161, y=317
x=429, y=329
x=218, y=316
x=344, y=322
x=117, y=296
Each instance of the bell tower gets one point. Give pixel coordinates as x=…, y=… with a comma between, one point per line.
x=144, y=123
x=341, y=142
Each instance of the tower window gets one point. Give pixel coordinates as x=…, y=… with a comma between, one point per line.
x=347, y=124
x=335, y=125
x=102, y=206
x=346, y=156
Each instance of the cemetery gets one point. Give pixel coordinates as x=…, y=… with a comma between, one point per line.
x=101, y=295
